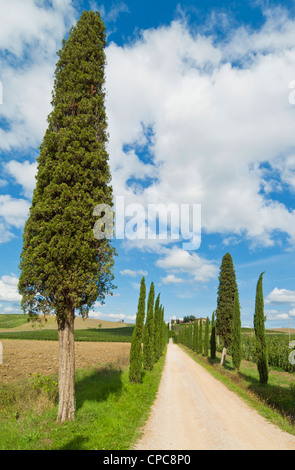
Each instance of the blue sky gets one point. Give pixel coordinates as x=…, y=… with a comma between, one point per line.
x=200, y=111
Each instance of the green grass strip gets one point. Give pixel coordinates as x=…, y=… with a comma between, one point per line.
x=110, y=411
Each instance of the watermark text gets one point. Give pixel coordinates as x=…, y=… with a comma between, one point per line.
x=180, y=222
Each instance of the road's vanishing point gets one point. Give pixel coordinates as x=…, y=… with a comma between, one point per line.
x=194, y=411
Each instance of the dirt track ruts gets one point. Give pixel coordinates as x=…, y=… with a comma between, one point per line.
x=193, y=410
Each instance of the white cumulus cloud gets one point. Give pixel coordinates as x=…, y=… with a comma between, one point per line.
x=134, y=273
x=279, y=296
x=172, y=279
x=177, y=260
x=8, y=288
x=208, y=124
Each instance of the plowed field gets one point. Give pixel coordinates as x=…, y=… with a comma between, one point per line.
x=24, y=357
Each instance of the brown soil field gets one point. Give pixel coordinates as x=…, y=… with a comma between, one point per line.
x=284, y=330
x=24, y=357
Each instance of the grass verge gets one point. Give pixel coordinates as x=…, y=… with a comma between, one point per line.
x=110, y=411
x=275, y=401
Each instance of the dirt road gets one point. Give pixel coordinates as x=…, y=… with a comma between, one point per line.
x=193, y=410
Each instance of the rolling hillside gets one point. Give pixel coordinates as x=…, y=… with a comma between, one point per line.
x=14, y=322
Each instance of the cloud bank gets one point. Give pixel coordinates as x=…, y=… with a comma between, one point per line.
x=193, y=118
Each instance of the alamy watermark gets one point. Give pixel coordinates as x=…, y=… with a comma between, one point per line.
x=1, y=93
x=1, y=353
x=156, y=221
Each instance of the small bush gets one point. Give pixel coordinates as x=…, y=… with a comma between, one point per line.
x=46, y=384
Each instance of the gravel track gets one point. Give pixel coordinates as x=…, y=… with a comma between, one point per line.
x=194, y=411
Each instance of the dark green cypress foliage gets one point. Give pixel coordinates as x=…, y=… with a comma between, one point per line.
x=185, y=335
x=136, y=355
x=164, y=335
x=157, y=329
x=196, y=336
x=236, y=341
x=206, y=337
x=225, y=302
x=190, y=334
x=149, y=331
x=64, y=268
x=200, y=342
x=260, y=338
x=213, y=338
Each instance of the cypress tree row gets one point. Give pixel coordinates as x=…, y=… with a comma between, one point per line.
x=64, y=268
x=260, y=339
x=236, y=344
x=136, y=355
x=225, y=302
x=148, y=339
x=206, y=337
x=213, y=338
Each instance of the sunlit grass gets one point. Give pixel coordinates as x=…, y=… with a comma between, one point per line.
x=109, y=411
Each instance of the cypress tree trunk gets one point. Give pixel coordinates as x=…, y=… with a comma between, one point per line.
x=66, y=380
x=223, y=356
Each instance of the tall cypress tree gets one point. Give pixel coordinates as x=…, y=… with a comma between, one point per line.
x=213, y=338
x=260, y=338
x=236, y=343
x=157, y=329
x=64, y=268
x=136, y=355
x=206, y=337
x=149, y=330
x=225, y=302
x=196, y=336
x=200, y=342
x=164, y=335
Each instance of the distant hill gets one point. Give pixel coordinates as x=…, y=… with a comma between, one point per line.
x=19, y=322
x=284, y=330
